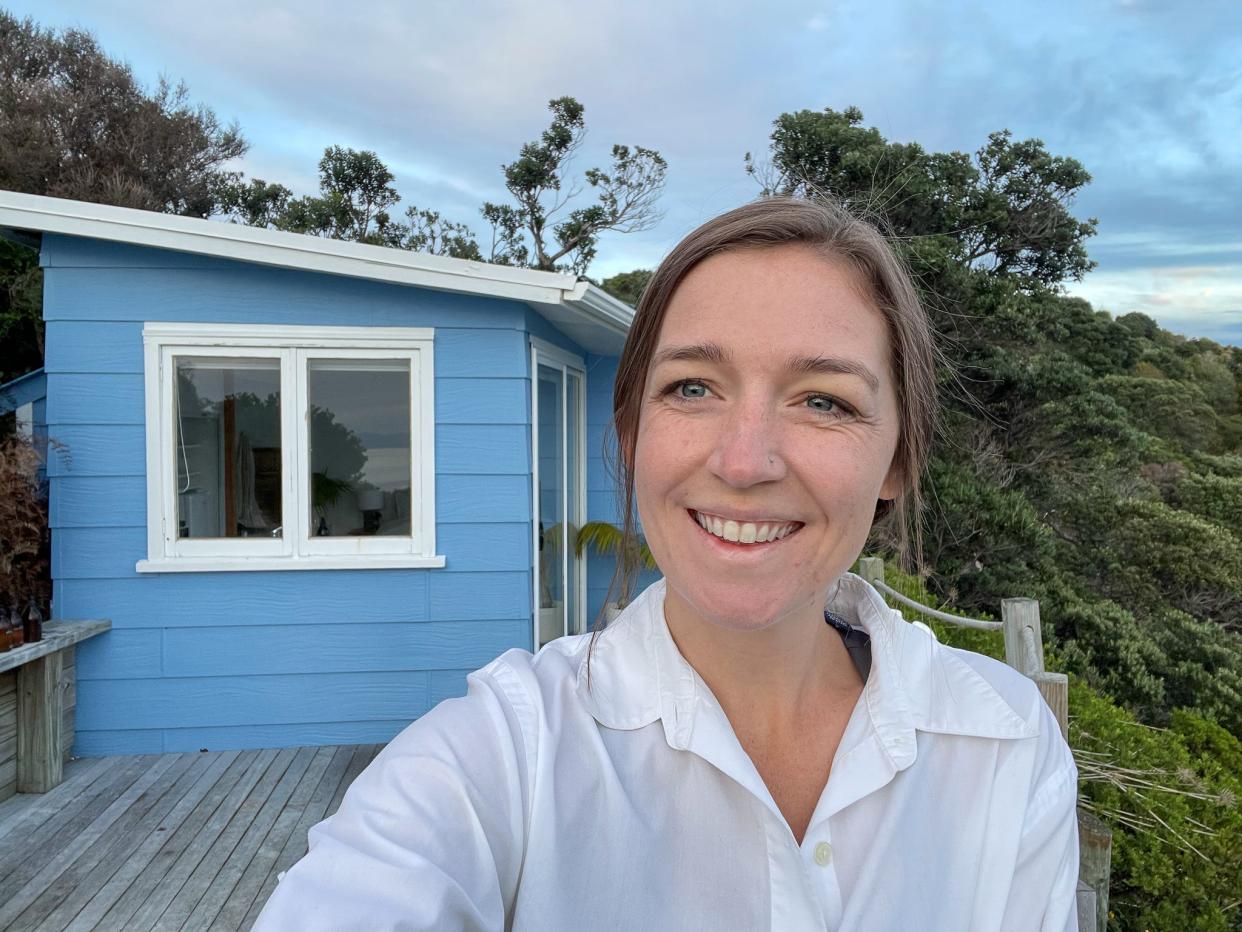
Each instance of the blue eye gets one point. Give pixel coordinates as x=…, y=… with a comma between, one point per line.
x=828, y=407
x=678, y=389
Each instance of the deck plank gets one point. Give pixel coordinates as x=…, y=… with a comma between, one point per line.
x=100, y=857
x=167, y=857
x=316, y=811
x=237, y=906
x=230, y=872
x=114, y=867
x=186, y=841
x=197, y=884
x=27, y=811
x=42, y=865
x=170, y=885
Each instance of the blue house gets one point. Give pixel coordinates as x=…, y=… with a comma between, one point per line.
x=311, y=483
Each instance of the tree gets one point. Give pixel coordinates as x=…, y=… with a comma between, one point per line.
x=1004, y=210
x=628, y=286
x=528, y=234
x=21, y=323
x=75, y=123
x=428, y=231
x=356, y=192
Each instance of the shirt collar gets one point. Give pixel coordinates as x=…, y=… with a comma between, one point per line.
x=638, y=676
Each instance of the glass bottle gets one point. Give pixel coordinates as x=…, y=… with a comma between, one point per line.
x=15, y=627
x=32, y=627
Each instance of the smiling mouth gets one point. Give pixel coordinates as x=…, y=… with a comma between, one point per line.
x=744, y=532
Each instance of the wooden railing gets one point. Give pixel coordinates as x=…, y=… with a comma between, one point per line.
x=1024, y=651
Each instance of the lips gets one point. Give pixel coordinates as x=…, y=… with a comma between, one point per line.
x=744, y=532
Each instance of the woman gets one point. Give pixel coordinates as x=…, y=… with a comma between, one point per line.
x=720, y=757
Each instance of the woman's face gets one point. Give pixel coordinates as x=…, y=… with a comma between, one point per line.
x=769, y=414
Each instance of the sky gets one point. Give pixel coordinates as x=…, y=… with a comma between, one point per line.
x=1146, y=94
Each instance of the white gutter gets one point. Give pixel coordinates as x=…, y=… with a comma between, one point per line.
x=315, y=254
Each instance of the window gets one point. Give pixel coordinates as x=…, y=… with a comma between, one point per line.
x=289, y=448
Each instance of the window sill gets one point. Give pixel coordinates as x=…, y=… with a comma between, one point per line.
x=270, y=564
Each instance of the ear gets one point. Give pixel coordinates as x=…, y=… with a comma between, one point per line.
x=894, y=482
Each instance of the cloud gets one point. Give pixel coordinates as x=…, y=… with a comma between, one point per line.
x=1194, y=300
x=1147, y=95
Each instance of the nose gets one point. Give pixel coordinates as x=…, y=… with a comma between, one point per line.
x=747, y=450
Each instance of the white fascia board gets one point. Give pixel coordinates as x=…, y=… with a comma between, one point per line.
x=275, y=247
x=586, y=313
x=600, y=306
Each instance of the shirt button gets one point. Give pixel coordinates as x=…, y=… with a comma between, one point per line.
x=823, y=854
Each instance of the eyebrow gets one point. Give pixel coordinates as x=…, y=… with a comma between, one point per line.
x=799, y=365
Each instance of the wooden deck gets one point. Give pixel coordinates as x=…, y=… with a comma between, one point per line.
x=165, y=841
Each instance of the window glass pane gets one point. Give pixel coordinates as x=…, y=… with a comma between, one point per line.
x=573, y=473
x=551, y=514
x=228, y=447
x=360, y=455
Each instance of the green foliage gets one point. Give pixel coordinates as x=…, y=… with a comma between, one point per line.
x=1003, y=210
x=1174, y=409
x=526, y=233
x=357, y=192
x=75, y=123
x=1171, y=797
x=1215, y=498
x=608, y=540
x=628, y=286
x=21, y=305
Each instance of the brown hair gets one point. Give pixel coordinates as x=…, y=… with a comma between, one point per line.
x=828, y=227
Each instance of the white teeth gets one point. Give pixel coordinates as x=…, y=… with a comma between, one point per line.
x=744, y=532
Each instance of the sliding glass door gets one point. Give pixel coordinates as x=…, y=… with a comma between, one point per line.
x=558, y=416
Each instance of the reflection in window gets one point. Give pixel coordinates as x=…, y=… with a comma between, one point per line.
x=360, y=456
x=228, y=447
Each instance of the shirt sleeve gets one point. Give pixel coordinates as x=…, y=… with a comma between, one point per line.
x=1044, y=892
x=429, y=836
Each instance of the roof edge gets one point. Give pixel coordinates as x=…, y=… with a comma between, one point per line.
x=309, y=253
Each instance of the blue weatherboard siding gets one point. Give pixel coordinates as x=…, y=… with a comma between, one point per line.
x=266, y=659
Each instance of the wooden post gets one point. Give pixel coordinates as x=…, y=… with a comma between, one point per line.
x=39, y=758
x=1024, y=651
x=871, y=569
x=1088, y=909
x=1095, y=851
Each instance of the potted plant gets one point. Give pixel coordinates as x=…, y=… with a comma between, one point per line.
x=606, y=540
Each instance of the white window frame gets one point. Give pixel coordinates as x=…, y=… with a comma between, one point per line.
x=296, y=549
x=544, y=353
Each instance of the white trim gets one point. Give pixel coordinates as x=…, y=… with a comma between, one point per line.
x=267, y=564
x=287, y=335
x=294, y=347
x=553, y=357
x=536, y=603
x=554, y=352
x=590, y=316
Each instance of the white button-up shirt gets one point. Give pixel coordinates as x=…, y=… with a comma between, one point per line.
x=533, y=803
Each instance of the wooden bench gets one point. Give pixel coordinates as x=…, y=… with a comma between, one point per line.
x=38, y=695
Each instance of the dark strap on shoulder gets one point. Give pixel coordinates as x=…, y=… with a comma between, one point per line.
x=857, y=642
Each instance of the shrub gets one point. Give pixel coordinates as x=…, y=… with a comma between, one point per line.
x=25, y=559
